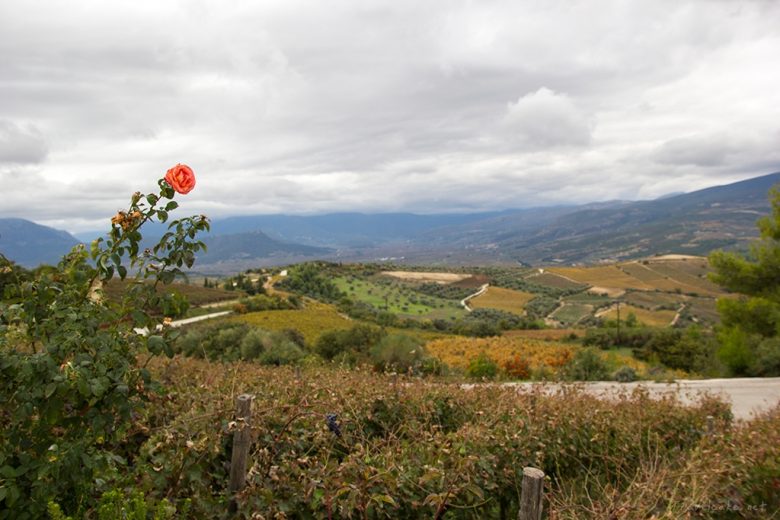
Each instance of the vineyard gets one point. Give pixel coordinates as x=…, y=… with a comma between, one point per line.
x=502, y=299
x=655, y=318
x=312, y=321
x=332, y=443
x=543, y=357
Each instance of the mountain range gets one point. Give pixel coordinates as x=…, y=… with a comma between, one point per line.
x=689, y=223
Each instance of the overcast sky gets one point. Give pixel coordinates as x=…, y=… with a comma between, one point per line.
x=423, y=106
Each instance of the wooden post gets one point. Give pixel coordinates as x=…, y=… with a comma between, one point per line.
x=710, y=425
x=531, y=494
x=241, y=441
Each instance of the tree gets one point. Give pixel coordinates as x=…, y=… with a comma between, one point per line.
x=749, y=333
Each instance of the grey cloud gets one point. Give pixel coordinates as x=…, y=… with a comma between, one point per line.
x=705, y=151
x=546, y=119
x=305, y=107
x=21, y=144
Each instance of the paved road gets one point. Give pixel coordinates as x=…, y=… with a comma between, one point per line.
x=187, y=321
x=747, y=395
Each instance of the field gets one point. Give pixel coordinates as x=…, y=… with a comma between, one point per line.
x=690, y=283
x=312, y=321
x=602, y=276
x=545, y=334
x=459, y=352
x=502, y=299
x=427, y=277
x=549, y=279
x=398, y=298
x=661, y=318
x=651, y=277
x=703, y=309
x=196, y=294
x=571, y=313
x=653, y=300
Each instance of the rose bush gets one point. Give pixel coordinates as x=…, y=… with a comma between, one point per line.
x=71, y=388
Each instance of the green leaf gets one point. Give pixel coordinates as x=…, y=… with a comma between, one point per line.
x=155, y=344
x=172, y=205
x=384, y=498
x=152, y=199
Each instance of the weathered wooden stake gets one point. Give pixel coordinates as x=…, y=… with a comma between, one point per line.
x=710, y=425
x=531, y=494
x=241, y=442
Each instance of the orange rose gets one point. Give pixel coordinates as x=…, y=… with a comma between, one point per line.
x=181, y=178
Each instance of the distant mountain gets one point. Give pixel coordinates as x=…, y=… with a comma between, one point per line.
x=30, y=244
x=691, y=223
x=252, y=246
x=347, y=230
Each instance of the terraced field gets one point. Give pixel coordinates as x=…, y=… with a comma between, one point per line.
x=653, y=278
x=608, y=276
x=661, y=318
x=571, y=313
x=548, y=279
x=503, y=299
x=652, y=300
x=689, y=282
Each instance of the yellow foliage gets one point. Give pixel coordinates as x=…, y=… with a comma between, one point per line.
x=503, y=299
x=312, y=321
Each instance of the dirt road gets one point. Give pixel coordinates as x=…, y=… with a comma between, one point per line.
x=747, y=395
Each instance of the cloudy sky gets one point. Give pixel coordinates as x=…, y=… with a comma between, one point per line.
x=424, y=106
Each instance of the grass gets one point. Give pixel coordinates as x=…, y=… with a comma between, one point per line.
x=503, y=299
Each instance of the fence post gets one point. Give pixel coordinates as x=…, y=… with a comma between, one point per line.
x=241, y=441
x=710, y=425
x=531, y=494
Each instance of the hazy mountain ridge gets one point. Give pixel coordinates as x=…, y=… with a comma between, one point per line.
x=692, y=223
x=30, y=244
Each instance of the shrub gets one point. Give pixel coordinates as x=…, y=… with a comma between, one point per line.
x=281, y=352
x=70, y=384
x=586, y=365
x=625, y=375
x=482, y=367
x=517, y=367
x=399, y=353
